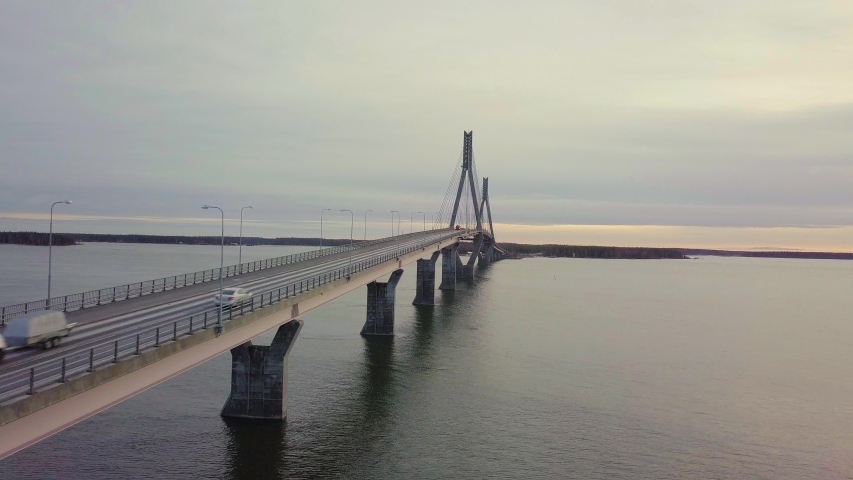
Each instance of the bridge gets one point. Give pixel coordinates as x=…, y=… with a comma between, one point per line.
x=134, y=336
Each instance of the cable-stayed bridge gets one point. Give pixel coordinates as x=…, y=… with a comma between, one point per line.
x=134, y=336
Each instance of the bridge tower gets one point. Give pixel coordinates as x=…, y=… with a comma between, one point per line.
x=488, y=255
x=466, y=270
x=467, y=175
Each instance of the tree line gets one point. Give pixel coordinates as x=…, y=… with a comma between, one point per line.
x=41, y=239
x=35, y=238
x=592, y=251
x=768, y=254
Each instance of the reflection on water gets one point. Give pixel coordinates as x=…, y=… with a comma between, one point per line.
x=256, y=449
x=377, y=392
x=422, y=334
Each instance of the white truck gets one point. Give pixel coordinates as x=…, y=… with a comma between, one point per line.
x=45, y=329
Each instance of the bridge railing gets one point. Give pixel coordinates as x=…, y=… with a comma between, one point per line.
x=78, y=301
x=27, y=381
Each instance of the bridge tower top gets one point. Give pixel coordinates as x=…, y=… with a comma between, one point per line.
x=467, y=149
x=468, y=174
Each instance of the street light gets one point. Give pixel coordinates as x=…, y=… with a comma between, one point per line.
x=365, y=223
x=321, y=225
x=240, y=257
x=221, y=267
x=50, y=247
x=411, y=222
x=424, y=220
x=392, y=220
x=351, y=223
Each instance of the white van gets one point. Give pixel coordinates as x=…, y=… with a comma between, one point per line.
x=44, y=328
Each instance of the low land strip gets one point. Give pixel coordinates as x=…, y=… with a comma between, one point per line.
x=518, y=250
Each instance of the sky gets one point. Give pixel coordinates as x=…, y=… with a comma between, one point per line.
x=660, y=123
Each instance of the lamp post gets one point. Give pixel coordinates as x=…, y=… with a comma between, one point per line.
x=424, y=220
x=411, y=222
x=351, y=223
x=221, y=267
x=365, y=223
x=240, y=257
x=321, y=225
x=50, y=246
x=392, y=220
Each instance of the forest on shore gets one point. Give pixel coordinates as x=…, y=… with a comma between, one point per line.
x=63, y=239
x=769, y=254
x=591, y=251
x=37, y=239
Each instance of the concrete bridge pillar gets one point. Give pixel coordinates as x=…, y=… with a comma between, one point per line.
x=259, y=377
x=449, y=259
x=464, y=271
x=380, y=306
x=487, y=257
x=425, y=291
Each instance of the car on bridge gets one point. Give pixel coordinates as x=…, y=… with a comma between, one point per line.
x=233, y=297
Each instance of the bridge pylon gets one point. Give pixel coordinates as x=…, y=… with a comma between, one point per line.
x=467, y=175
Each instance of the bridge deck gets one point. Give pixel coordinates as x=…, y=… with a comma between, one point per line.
x=102, y=323
x=27, y=419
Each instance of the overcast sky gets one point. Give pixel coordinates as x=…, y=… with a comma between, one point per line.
x=726, y=114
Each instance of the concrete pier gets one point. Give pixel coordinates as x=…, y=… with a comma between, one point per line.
x=425, y=290
x=380, y=306
x=449, y=257
x=487, y=256
x=259, y=377
x=464, y=271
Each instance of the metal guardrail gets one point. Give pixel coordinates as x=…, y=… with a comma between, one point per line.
x=21, y=382
x=78, y=301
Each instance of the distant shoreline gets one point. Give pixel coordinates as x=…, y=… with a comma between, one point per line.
x=519, y=250
x=768, y=254
x=67, y=239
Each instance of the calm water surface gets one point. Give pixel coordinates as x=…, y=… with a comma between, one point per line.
x=546, y=368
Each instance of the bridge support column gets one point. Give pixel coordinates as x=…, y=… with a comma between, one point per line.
x=449, y=259
x=487, y=257
x=259, y=377
x=464, y=271
x=425, y=291
x=380, y=306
